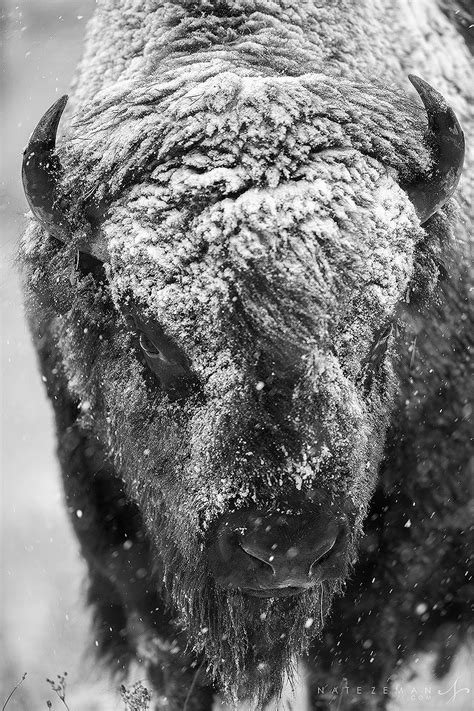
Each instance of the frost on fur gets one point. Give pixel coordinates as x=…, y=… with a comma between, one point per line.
x=272, y=331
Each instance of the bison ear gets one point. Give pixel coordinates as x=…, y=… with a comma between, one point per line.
x=446, y=139
x=41, y=176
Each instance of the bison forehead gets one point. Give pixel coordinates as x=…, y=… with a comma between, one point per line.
x=335, y=244
x=269, y=126
x=289, y=182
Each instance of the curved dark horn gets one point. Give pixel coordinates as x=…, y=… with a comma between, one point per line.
x=446, y=139
x=41, y=174
x=41, y=171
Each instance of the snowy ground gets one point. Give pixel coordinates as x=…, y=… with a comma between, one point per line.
x=44, y=628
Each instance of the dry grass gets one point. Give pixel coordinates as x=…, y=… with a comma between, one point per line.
x=135, y=698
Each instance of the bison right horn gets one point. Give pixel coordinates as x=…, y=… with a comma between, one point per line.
x=41, y=175
x=446, y=139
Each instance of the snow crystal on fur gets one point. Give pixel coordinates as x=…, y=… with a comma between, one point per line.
x=252, y=155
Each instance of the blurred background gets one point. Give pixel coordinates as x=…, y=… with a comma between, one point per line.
x=44, y=628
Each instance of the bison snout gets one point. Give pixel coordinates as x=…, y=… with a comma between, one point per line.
x=276, y=554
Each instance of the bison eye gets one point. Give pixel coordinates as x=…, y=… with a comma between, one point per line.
x=380, y=345
x=164, y=359
x=149, y=348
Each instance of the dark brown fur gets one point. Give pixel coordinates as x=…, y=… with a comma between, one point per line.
x=129, y=454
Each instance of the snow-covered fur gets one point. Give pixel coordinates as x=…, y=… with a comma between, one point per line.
x=253, y=156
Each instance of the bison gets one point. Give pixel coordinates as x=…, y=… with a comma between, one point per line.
x=247, y=284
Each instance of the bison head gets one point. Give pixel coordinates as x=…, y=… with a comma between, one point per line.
x=243, y=248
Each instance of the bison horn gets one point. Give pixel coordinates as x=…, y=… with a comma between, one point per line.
x=41, y=171
x=447, y=142
x=41, y=174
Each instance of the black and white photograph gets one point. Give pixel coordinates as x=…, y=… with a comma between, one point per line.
x=236, y=333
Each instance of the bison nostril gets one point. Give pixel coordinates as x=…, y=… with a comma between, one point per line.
x=269, y=552
x=252, y=554
x=323, y=554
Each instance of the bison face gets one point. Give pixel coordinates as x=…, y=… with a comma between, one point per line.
x=237, y=362
x=265, y=332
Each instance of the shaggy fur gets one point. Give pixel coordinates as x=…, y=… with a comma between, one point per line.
x=254, y=176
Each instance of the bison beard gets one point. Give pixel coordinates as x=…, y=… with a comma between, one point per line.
x=250, y=644
x=246, y=648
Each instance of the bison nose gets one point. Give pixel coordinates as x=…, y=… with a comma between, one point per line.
x=276, y=554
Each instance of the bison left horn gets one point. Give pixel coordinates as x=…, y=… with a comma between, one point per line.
x=446, y=139
x=41, y=175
